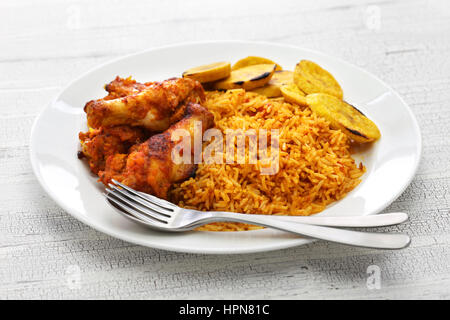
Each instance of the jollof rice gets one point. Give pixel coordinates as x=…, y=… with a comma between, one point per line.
x=315, y=167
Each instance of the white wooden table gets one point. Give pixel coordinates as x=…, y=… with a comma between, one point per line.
x=45, y=253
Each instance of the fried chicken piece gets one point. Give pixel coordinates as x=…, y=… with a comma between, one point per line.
x=98, y=144
x=151, y=108
x=122, y=87
x=150, y=167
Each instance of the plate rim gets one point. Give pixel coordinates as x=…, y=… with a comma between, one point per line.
x=276, y=246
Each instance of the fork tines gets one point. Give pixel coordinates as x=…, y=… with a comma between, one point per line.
x=140, y=205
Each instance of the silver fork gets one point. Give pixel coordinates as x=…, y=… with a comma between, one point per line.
x=166, y=216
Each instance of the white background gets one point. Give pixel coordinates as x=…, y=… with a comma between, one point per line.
x=45, y=253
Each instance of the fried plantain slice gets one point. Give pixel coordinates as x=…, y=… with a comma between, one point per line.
x=293, y=94
x=252, y=60
x=279, y=79
x=344, y=116
x=209, y=72
x=311, y=78
x=247, y=78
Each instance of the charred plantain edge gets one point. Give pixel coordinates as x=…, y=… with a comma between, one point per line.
x=357, y=133
x=355, y=108
x=262, y=76
x=240, y=82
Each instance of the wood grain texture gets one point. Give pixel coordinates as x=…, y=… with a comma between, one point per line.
x=45, y=44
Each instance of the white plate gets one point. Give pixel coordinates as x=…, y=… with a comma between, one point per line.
x=391, y=162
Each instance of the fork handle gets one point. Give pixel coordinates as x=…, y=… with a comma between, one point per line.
x=355, y=238
x=376, y=220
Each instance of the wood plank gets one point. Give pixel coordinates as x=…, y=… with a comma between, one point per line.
x=46, y=45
